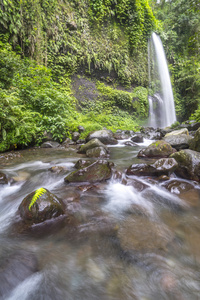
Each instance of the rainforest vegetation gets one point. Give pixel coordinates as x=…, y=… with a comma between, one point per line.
x=69, y=63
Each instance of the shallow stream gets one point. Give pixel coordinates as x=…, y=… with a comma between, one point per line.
x=128, y=238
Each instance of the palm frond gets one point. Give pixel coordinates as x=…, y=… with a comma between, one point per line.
x=39, y=192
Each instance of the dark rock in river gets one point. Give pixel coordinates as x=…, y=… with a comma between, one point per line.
x=46, y=206
x=105, y=136
x=97, y=152
x=194, y=143
x=82, y=163
x=192, y=126
x=188, y=164
x=177, y=186
x=50, y=144
x=137, y=138
x=178, y=142
x=157, y=149
x=121, y=135
x=151, y=133
x=92, y=144
x=131, y=144
x=98, y=171
x=81, y=141
x=3, y=178
x=57, y=169
x=75, y=136
x=67, y=142
x=161, y=166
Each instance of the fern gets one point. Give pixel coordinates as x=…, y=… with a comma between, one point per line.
x=39, y=192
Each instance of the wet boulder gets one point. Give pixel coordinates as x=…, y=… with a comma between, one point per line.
x=67, y=142
x=151, y=133
x=181, y=141
x=50, y=144
x=3, y=178
x=177, y=186
x=92, y=144
x=100, y=170
x=188, y=164
x=194, y=143
x=39, y=206
x=163, y=178
x=157, y=149
x=131, y=144
x=105, y=136
x=191, y=125
x=81, y=163
x=81, y=129
x=97, y=152
x=57, y=169
x=121, y=135
x=137, y=138
x=163, y=166
x=80, y=141
x=75, y=136
x=178, y=132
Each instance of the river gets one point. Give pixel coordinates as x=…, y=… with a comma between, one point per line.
x=128, y=238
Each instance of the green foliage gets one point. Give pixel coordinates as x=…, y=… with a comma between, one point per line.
x=43, y=43
x=135, y=102
x=31, y=102
x=18, y=125
x=39, y=192
x=68, y=35
x=175, y=124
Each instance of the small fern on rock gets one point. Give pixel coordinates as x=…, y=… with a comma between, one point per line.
x=39, y=192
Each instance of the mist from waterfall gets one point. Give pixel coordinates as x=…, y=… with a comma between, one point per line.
x=161, y=100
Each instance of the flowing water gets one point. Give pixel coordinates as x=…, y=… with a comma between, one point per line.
x=128, y=238
x=162, y=113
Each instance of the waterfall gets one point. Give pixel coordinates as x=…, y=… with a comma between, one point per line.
x=161, y=102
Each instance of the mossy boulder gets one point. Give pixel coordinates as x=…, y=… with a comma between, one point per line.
x=105, y=136
x=97, y=152
x=178, y=142
x=160, y=167
x=92, y=144
x=157, y=149
x=188, y=164
x=46, y=206
x=194, y=143
x=100, y=170
x=178, y=132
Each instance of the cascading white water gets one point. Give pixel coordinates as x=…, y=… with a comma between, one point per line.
x=162, y=114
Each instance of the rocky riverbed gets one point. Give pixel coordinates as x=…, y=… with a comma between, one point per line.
x=120, y=223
